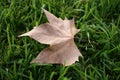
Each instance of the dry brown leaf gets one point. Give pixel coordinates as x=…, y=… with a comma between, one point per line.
x=59, y=34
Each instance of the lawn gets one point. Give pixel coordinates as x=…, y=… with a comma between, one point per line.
x=98, y=40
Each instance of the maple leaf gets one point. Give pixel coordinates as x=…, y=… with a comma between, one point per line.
x=59, y=34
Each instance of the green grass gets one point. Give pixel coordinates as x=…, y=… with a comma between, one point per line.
x=98, y=41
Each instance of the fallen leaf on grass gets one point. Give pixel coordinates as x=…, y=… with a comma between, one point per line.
x=59, y=34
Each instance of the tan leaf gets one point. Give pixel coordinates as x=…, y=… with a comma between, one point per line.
x=59, y=34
